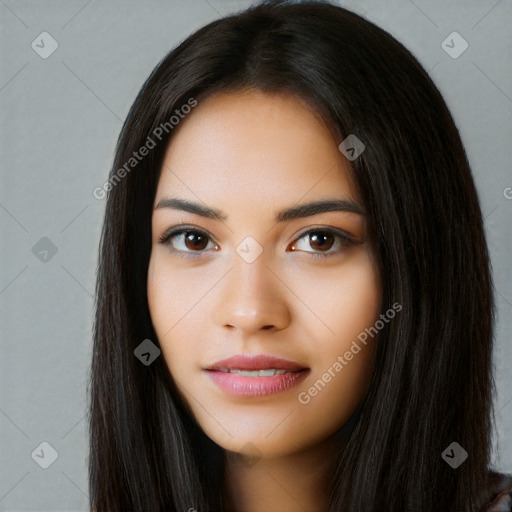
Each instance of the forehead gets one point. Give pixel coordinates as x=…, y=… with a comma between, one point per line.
x=255, y=146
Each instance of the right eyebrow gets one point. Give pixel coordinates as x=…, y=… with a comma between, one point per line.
x=175, y=203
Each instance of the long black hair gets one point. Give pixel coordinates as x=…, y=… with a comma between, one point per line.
x=433, y=382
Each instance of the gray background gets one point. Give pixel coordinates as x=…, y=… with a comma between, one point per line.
x=60, y=118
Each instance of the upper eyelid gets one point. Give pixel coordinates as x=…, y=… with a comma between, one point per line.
x=180, y=228
x=337, y=231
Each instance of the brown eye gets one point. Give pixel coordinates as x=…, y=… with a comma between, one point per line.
x=195, y=241
x=321, y=241
x=187, y=242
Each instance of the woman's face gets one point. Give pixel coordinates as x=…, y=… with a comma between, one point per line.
x=255, y=281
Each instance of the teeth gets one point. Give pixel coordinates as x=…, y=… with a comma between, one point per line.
x=258, y=373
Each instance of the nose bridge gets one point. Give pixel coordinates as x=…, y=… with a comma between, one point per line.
x=252, y=297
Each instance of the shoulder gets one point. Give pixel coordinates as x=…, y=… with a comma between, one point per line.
x=500, y=491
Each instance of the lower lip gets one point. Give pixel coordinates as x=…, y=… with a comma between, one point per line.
x=239, y=385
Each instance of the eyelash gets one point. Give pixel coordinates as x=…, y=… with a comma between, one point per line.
x=345, y=241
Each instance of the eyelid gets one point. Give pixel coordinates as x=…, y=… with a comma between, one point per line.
x=179, y=229
x=322, y=227
x=344, y=240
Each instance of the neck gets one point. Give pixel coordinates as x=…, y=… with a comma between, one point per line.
x=288, y=482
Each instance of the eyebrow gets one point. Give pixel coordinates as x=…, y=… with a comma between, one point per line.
x=295, y=212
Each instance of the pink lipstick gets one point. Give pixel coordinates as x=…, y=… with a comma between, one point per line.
x=256, y=375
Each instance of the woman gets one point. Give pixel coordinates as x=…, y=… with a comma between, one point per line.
x=294, y=303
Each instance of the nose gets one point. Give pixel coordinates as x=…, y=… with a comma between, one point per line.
x=252, y=298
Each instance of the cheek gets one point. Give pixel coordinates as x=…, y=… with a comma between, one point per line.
x=344, y=358
x=171, y=293
x=346, y=299
x=174, y=301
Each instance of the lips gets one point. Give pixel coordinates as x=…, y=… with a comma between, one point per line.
x=256, y=375
x=257, y=362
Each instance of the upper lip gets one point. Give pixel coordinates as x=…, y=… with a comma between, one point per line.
x=256, y=362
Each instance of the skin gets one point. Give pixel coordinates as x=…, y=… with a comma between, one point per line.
x=251, y=154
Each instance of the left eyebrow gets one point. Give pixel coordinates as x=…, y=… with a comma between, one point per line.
x=295, y=212
x=316, y=207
